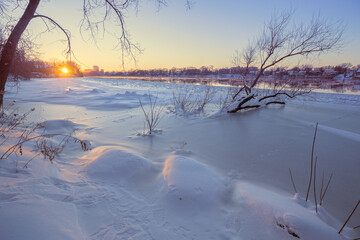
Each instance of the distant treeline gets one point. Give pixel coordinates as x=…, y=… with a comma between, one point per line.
x=27, y=65
x=192, y=71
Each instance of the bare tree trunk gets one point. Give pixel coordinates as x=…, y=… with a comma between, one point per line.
x=8, y=53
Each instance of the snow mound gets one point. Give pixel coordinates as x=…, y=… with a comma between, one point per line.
x=284, y=217
x=191, y=182
x=96, y=90
x=131, y=93
x=114, y=164
x=59, y=126
x=38, y=218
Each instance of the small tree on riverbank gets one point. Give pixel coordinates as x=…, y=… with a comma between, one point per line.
x=281, y=40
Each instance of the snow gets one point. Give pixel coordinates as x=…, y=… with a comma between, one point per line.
x=284, y=215
x=219, y=177
x=59, y=126
x=114, y=164
x=24, y=219
x=192, y=183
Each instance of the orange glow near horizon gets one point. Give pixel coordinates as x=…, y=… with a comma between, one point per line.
x=64, y=70
x=174, y=37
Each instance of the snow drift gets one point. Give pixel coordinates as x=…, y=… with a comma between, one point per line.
x=114, y=164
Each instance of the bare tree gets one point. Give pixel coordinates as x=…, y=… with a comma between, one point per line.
x=95, y=14
x=281, y=40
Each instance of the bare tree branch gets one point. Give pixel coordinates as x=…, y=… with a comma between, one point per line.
x=111, y=9
x=68, y=51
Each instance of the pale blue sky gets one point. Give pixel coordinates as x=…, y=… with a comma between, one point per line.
x=208, y=34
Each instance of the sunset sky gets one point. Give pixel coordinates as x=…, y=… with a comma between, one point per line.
x=208, y=34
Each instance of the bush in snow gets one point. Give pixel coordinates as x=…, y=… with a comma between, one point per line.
x=15, y=133
x=188, y=102
x=152, y=114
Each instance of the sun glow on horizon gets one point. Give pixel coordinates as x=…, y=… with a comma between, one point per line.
x=64, y=70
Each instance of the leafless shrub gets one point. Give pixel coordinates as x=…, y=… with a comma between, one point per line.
x=14, y=133
x=225, y=99
x=10, y=120
x=206, y=97
x=312, y=178
x=152, y=114
x=189, y=102
x=183, y=100
x=44, y=146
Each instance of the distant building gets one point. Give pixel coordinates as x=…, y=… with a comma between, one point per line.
x=95, y=71
x=330, y=73
x=357, y=74
x=301, y=73
x=268, y=72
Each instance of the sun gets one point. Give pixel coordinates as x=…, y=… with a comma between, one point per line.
x=65, y=70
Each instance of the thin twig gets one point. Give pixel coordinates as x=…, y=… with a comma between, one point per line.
x=292, y=180
x=349, y=216
x=315, y=185
x=312, y=160
x=322, y=186
x=27, y=163
x=326, y=188
x=357, y=227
